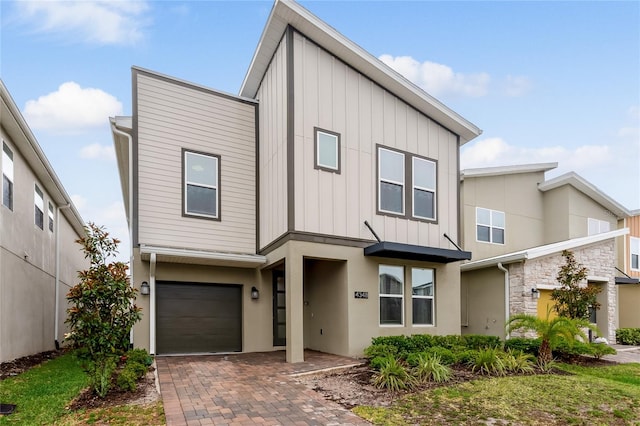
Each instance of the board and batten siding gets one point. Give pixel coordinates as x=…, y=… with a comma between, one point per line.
x=633, y=223
x=172, y=116
x=331, y=95
x=272, y=95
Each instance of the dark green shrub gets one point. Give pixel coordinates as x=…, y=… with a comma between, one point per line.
x=452, y=341
x=522, y=344
x=393, y=375
x=568, y=350
x=421, y=342
x=429, y=368
x=466, y=357
x=403, y=344
x=598, y=350
x=380, y=350
x=446, y=356
x=140, y=356
x=488, y=361
x=127, y=379
x=628, y=336
x=478, y=341
x=378, y=361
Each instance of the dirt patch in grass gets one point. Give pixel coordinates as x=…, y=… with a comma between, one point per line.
x=20, y=365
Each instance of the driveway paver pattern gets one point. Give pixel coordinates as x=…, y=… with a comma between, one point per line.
x=248, y=389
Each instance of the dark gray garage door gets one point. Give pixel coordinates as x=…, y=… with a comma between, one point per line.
x=195, y=318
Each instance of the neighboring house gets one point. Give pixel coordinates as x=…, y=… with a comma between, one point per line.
x=628, y=276
x=517, y=224
x=39, y=260
x=248, y=212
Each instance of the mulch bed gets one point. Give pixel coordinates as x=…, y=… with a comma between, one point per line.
x=20, y=365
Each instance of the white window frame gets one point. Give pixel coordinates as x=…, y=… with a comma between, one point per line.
x=38, y=205
x=392, y=182
x=7, y=172
x=634, y=250
x=318, y=145
x=389, y=296
x=51, y=217
x=186, y=183
x=601, y=226
x=432, y=298
x=492, y=226
x=425, y=189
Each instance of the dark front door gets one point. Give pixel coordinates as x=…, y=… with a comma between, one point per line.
x=198, y=318
x=279, y=309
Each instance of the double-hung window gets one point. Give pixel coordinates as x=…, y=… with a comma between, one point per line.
x=597, y=226
x=7, y=176
x=391, y=294
x=201, y=185
x=50, y=217
x=635, y=253
x=327, y=150
x=490, y=225
x=391, y=181
x=424, y=188
x=38, y=198
x=422, y=294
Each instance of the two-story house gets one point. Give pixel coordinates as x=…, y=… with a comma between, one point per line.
x=39, y=259
x=628, y=277
x=317, y=209
x=517, y=224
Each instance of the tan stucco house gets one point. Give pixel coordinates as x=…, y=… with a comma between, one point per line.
x=517, y=224
x=316, y=209
x=628, y=277
x=39, y=259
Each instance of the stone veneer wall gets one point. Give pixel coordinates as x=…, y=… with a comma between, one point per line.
x=599, y=259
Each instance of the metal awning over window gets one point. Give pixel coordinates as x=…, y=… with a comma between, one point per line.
x=413, y=252
x=627, y=280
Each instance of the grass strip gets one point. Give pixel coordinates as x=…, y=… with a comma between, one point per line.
x=129, y=415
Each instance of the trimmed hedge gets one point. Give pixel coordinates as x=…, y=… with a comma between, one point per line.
x=628, y=336
x=406, y=345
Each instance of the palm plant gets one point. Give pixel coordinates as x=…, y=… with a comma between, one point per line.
x=550, y=331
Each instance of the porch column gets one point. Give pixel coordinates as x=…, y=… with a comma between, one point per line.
x=295, y=326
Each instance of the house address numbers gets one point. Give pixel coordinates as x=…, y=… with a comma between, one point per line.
x=361, y=294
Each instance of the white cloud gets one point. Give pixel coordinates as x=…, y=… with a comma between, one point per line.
x=79, y=201
x=97, y=151
x=438, y=79
x=517, y=85
x=96, y=21
x=71, y=108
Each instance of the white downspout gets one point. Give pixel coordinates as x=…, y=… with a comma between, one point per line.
x=506, y=294
x=130, y=218
x=152, y=304
x=56, y=309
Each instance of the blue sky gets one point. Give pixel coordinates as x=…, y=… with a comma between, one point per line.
x=546, y=81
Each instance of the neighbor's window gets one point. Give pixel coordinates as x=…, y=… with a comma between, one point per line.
x=635, y=253
x=391, y=294
x=201, y=185
x=391, y=181
x=597, y=226
x=424, y=188
x=327, y=145
x=7, y=176
x=38, y=207
x=422, y=293
x=490, y=225
x=50, y=217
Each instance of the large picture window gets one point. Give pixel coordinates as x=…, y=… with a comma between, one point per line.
x=391, y=181
x=635, y=253
x=424, y=188
x=7, y=176
x=201, y=185
x=391, y=294
x=490, y=225
x=38, y=207
x=422, y=294
x=327, y=150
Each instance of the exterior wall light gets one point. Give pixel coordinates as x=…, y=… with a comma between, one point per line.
x=255, y=294
x=535, y=293
x=145, y=290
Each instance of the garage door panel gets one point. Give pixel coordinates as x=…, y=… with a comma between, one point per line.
x=193, y=318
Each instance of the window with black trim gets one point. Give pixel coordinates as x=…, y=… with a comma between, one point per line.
x=391, y=181
x=490, y=225
x=38, y=202
x=327, y=150
x=50, y=217
x=201, y=173
x=634, y=245
x=424, y=188
x=422, y=295
x=7, y=176
x=391, y=290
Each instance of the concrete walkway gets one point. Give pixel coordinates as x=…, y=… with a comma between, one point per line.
x=626, y=354
x=248, y=389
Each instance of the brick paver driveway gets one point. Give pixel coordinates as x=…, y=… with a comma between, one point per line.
x=247, y=389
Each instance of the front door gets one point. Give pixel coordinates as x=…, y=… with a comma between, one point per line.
x=279, y=309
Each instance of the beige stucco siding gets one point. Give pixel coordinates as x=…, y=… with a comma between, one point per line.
x=172, y=116
x=483, y=310
x=333, y=96
x=273, y=148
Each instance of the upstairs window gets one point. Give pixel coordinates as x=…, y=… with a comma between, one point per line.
x=490, y=225
x=38, y=207
x=596, y=226
x=7, y=177
x=391, y=181
x=391, y=289
x=424, y=188
x=635, y=253
x=422, y=294
x=327, y=150
x=201, y=185
x=50, y=217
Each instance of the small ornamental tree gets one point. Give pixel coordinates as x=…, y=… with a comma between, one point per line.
x=573, y=300
x=102, y=310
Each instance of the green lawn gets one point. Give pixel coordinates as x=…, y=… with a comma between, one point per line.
x=591, y=396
